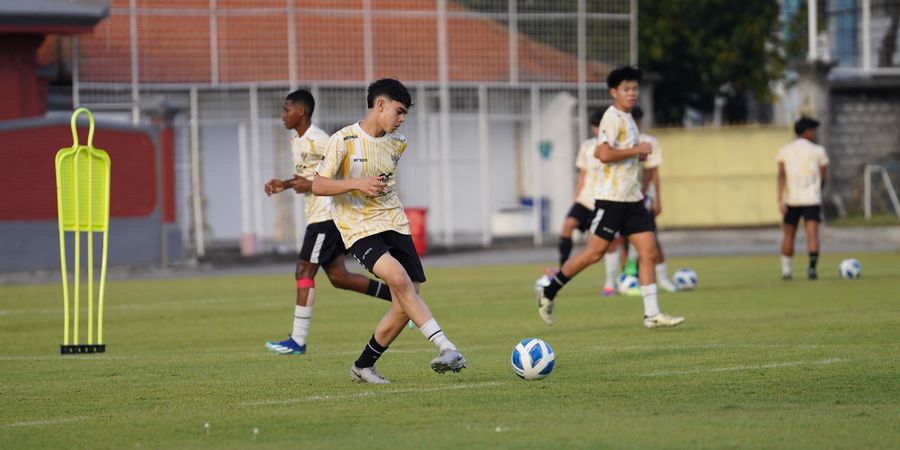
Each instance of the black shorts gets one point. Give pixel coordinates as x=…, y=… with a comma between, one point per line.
x=322, y=243
x=368, y=249
x=809, y=213
x=582, y=214
x=625, y=218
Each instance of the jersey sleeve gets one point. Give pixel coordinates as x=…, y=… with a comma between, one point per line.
x=654, y=159
x=609, y=130
x=823, y=157
x=333, y=157
x=580, y=161
x=780, y=156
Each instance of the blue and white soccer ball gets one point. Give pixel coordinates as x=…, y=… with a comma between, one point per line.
x=532, y=359
x=627, y=282
x=685, y=279
x=850, y=269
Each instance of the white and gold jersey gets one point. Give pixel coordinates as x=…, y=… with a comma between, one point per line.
x=352, y=153
x=618, y=181
x=653, y=161
x=802, y=162
x=307, y=152
x=589, y=163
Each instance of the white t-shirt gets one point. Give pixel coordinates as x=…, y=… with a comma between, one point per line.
x=653, y=161
x=619, y=181
x=307, y=152
x=589, y=163
x=802, y=163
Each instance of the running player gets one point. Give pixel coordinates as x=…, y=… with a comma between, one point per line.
x=619, y=202
x=802, y=170
x=359, y=170
x=322, y=245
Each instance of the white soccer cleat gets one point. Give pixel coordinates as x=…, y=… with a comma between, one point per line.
x=662, y=320
x=366, y=375
x=448, y=360
x=666, y=285
x=545, y=306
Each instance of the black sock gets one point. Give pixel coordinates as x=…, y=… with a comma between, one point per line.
x=379, y=290
x=556, y=283
x=370, y=354
x=813, y=260
x=565, y=249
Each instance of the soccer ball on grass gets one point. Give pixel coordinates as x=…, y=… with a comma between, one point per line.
x=850, y=269
x=685, y=279
x=532, y=359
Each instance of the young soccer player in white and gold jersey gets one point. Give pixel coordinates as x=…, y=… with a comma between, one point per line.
x=322, y=244
x=359, y=172
x=619, y=204
x=802, y=170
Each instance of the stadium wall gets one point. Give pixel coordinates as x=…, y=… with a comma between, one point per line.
x=720, y=176
x=28, y=209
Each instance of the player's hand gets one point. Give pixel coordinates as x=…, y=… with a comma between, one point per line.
x=644, y=148
x=298, y=188
x=656, y=207
x=371, y=186
x=782, y=208
x=274, y=186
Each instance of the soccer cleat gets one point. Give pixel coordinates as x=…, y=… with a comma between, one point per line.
x=448, y=359
x=666, y=285
x=366, y=375
x=545, y=306
x=609, y=291
x=286, y=347
x=662, y=320
x=811, y=274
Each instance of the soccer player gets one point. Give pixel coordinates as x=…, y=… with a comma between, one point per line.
x=802, y=169
x=582, y=211
x=619, y=202
x=359, y=170
x=651, y=189
x=322, y=244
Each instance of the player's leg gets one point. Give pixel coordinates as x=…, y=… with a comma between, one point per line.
x=295, y=344
x=811, y=221
x=789, y=231
x=662, y=271
x=645, y=245
x=590, y=254
x=341, y=278
x=388, y=328
x=565, y=238
x=611, y=266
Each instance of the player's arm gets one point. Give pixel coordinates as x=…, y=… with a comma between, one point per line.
x=324, y=186
x=605, y=153
x=301, y=185
x=275, y=186
x=823, y=174
x=656, y=206
x=782, y=178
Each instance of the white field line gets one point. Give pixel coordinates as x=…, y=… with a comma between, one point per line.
x=82, y=357
x=638, y=348
x=363, y=394
x=44, y=422
x=775, y=365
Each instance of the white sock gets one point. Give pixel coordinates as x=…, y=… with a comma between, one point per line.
x=786, y=265
x=611, y=261
x=302, y=318
x=662, y=272
x=651, y=307
x=432, y=331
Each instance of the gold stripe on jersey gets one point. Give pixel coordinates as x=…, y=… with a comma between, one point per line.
x=351, y=153
x=307, y=152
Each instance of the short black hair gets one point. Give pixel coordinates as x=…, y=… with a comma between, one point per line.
x=596, y=117
x=637, y=112
x=303, y=97
x=390, y=87
x=624, y=73
x=805, y=123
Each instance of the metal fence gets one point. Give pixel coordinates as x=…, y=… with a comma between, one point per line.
x=494, y=81
x=859, y=36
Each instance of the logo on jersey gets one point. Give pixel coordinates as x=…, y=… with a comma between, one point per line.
x=352, y=136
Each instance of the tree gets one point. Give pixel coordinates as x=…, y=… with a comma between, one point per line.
x=702, y=49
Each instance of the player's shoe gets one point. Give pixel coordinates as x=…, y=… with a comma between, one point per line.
x=366, y=375
x=545, y=306
x=787, y=276
x=448, y=359
x=286, y=347
x=811, y=273
x=662, y=320
x=666, y=285
x=609, y=291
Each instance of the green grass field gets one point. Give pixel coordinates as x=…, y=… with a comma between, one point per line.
x=760, y=363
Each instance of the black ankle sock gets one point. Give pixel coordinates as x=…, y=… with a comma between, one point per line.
x=556, y=283
x=565, y=249
x=813, y=260
x=379, y=290
x=370, y=354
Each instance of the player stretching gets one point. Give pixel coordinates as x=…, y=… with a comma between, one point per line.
x=359, y=171
x=619, y=202
x=802, y=169
x=582, y=211
x=322, y=243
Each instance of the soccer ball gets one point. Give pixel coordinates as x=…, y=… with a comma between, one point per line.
x=850, y=269
x=532, y=359
x=685, y=279
x=627, y=282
